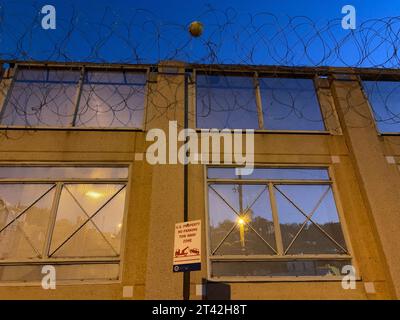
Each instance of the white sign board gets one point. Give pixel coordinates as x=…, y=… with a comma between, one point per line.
x=187, y=246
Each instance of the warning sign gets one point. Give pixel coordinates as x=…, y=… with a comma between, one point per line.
x=187, y=246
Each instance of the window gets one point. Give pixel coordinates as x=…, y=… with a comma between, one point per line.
x=68, y=217
x=384, y=97
x=226, y=102
x=112, y=99
x=249, y=102
x=277, y=222
x=290, y=104
x=42, y=97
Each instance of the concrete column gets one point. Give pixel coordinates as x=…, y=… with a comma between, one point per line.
x=166, y=103
x=380, y=188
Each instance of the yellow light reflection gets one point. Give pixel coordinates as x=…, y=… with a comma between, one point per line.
x=241, y=221
x=94, y=194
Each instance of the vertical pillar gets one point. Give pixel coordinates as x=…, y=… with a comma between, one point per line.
x=379, y=186
x=166, y=103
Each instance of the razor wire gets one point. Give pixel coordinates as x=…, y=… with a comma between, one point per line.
x=140, y=37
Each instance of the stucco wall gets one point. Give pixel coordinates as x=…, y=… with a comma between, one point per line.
x=368, y=202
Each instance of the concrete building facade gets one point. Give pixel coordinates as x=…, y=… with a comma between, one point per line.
x=78, y=194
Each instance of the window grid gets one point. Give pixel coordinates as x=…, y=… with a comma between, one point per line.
x=280, y=253
x=76, y=106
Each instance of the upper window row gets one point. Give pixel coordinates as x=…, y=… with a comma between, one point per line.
x=42, y=97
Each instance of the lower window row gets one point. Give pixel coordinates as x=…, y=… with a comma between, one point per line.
x=275, y=222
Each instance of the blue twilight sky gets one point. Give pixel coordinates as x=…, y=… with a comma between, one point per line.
x=273, y=32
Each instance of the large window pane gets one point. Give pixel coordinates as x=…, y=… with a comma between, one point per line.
x=290, y=104
x=89, y=221
x=41, y=97
x=24, y=215
x=226, y=102
x=319, y=234
x=112, y=99
x=240, y=220
x=384, y=97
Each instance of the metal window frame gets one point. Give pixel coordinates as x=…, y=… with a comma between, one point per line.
x=58, y=184
x=315, y=86
x=83, y=70
x=210, y=258
x=8, y=93
x=258, y=100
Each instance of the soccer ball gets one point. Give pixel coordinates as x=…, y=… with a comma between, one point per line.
x=196, y=29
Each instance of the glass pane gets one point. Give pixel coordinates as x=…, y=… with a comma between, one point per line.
x=31, y=74
x=221, y=216
x=290, y=104
x=61, y=75
x=250, y=230
x=278, y=268
x=271, y=174
x=112, y=77
x=40, y=104
x=289, y=174
x=14, y=198
x=311, y=239
x=109, y=100
x=23, y=235
x=63, y=173
x=80, y=236
x=64, y=272
x=384, y=98
x=104, y=77
x=101, y=236
x=39, y=74
x=226, y=102
x=135, y=78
